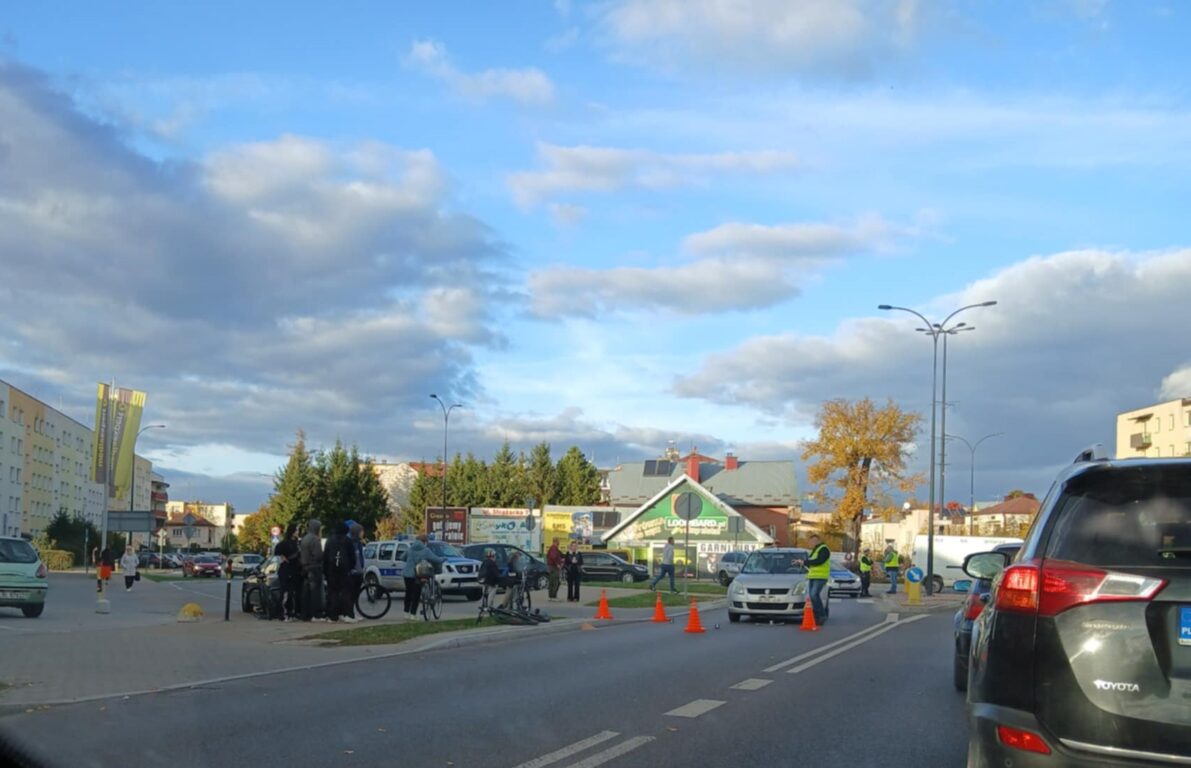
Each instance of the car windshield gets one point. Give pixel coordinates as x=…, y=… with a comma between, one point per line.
x=14, y=551
x=205, y=559
x=774, y=563
x=442, y=549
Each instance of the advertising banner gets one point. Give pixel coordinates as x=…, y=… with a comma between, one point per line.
x=101, y=465
x=127, y=407
x=500, y=529
x=449, y=525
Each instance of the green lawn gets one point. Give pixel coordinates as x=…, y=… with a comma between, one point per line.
x=704, y=587
x=389, y=634
x=152, y=576
x=648, y=600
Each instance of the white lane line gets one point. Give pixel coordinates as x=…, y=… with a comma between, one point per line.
x=752, y=684
x=822, y=648
x=885, y=628
x=195, y=591
x=696, y=708
x=611, y=753
x=565, y=752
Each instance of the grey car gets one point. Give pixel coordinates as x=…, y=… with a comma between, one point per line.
x=729, y=566
x=771, y=585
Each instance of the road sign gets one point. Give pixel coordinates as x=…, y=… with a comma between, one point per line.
x=162, y=536
x=189, y=519
x=530, y=523
x=136, y=521
x=275, y=531
x=688, y=505
x=735, y=525
x=914, y=575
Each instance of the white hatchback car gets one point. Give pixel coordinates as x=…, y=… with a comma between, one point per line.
x=385, y=560
x=771, y=585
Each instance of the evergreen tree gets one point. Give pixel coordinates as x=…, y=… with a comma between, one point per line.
x=372, y=498
x=295, y=487
x=426, y=492
x=472, y=480
x=541, y=475
x=578, y=479
x=500, y=489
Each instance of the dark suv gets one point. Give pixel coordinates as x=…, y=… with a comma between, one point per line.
x=1083, y=654
x=539, y=572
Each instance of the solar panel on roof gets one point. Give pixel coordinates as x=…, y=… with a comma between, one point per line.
x=665, y=468
x=651, y=468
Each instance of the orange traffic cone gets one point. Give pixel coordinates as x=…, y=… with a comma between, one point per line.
x=602, y=612
x=693, y=624
x=659, y=612
x=808, y=618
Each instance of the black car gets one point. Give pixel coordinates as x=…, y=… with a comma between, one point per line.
x=966, y=616
x=262, y=582
x=605, y=566
x=539, y=572
x=1083, y=654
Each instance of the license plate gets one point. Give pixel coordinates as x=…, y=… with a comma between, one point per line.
x=768, y=598
x=11, y=595
x=1185, y=625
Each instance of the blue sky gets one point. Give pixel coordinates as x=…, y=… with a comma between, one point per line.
x=612, y=224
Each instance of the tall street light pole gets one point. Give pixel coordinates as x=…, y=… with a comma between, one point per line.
x=954, y=331
x=132, y=480
x=972, y=466
x=446, y=420
x=934, y=330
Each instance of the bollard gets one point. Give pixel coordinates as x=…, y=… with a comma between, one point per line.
x=227, y=600
x=913, y=593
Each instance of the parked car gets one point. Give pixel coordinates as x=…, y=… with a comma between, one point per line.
x=729, y=566
x=539, y=572
x=605, y=566
x=459, y=575
x=843, y=582
x=203, y=565
x=261, y=583
x=155, y=560
x=173, y=560
x=243, y=563
x=771, y=585
x=23, y=577
x=966, y=616
x=1081, y=656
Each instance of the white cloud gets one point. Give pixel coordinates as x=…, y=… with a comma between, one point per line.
x=529, y=86
x=566, y=214
x=1177, y=384
x=608, y=169
x=848, y=38
x=563, y=41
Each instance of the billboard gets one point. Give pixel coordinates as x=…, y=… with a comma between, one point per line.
x=101, y=466
x=504, y=529
x=127, y=407
x=449, y=525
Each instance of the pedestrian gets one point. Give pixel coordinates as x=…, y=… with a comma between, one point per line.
x=310, y=552
x=554, y=563
x=107, y=562
x=489, y=575
x=418, y=552
x=128, y=564
x=573, y=561
x=891, y=564
x=289, y=573
x=667, y=566
x=338, y=559
x=357, y=574
x=818, y=572
x=866, y=573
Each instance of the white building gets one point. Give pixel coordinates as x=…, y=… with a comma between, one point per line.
x=11, y=467
x=221, y=516
x=1155, y=431
x=397, y=479
x=73, y=490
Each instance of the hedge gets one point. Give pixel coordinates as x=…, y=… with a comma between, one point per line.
x=58, y=559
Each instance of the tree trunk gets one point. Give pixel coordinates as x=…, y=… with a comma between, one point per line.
x=865, y=466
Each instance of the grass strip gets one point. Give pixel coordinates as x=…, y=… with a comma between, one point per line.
x=390, y=634
x=648, y=600
x=702, y=587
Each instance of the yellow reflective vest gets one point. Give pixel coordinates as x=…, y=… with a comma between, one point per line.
x=866, y=564
x=892, y=560
x=823, y=569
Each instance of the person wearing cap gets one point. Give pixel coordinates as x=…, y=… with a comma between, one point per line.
x=866, y=572
x=489, y=574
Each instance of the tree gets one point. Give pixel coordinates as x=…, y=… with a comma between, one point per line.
x=256, y=534
x=372, y=498
x=541, y=477
x=72, y=534
x=578, y=479
x=426, y=492
x=500, y=488
x=388, y=527
x=296, y=487
x=860, y=452
x=339, y=484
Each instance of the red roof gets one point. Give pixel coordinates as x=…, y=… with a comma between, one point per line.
x=428, y=468
x=199, y=520
x=1022, y=505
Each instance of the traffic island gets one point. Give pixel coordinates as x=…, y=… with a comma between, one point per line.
x=649, y=599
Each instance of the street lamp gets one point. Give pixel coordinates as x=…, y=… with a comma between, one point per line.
x=934, y=330
x=954, y=331
x=972, y=489
x=132, y=481
x=446, y=420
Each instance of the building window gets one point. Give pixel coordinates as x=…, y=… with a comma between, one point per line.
x=1157, y=425
x=1172, y=421
x=1158, y=451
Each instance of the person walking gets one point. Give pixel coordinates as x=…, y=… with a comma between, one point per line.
x=554, y=563
x=357, y=574
x=289, y=573
x=418, y=552
x=667, y=566
x=310, y=553
x=818, y=566
x=866, y=573
x=573, y=562
x=891, y=564
x=107, y=561
x=128, y=564
x=337, y=567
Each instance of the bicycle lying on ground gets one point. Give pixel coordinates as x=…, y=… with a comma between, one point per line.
x=520, y=610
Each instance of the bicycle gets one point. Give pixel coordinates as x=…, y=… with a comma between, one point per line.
x=373, y=600
x=431, y=597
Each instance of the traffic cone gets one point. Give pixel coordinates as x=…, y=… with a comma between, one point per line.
x=659, y=612
x=808, y=618
x=602, y=612
x=693, y=624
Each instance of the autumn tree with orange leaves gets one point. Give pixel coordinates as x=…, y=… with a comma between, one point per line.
x=859, y=458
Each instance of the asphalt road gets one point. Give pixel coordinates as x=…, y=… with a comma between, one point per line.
x=862, y=690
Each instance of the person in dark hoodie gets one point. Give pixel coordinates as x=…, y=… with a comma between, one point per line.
x=289, y=573
x=337, y=565
x=310, y=551
x=356, y=537
x=417, y=552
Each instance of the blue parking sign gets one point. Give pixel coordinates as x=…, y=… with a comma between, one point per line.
x=1185, y=625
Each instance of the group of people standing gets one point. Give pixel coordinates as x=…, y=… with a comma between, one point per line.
x=320, y=583
x=569, y=563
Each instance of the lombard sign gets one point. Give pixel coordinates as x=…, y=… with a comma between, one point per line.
x=662, y=520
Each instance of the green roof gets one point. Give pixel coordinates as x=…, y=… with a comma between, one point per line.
x=751, y=484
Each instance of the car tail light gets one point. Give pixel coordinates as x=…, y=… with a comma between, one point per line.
x=1057, y=585
x=1023, y=740
x=974, y=607
x=42, y=571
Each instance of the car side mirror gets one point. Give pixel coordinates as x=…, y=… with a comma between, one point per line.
x=985, y=565
x=962, y=585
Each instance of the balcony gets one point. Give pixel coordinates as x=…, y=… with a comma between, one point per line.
x=1140, y=441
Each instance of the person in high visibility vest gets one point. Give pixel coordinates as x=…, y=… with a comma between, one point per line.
x=866, y=573
x=891, y=564
x=818, y=571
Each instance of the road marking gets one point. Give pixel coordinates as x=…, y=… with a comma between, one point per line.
x=195, y=591
x=863, y=601
x=611, y=753
x=696, y=708
x=573, y=749
x=884, y=628
x=752, y=684
x=822, y=648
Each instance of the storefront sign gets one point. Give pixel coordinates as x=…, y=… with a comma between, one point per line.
x=449, y=525
x=483, y=529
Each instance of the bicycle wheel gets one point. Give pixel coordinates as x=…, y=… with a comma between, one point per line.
x=373, y=601
x=433, y=602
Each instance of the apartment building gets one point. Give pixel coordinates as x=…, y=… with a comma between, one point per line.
x=12, y=466
x=1160, y=430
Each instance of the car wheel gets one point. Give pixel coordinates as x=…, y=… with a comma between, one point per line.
x=733, y=617
x=32, y=611
x=959, y=674
x=936, y=583
x=627, y=578
x=474, y=595
x=723, y=578
x=542, y=583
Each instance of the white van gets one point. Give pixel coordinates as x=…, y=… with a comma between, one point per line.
x=950, y=552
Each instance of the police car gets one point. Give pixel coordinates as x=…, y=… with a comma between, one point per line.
x=384, y=562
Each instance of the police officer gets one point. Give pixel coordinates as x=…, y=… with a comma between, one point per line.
x=818, y=572
x=892, y=563
x=866, y=573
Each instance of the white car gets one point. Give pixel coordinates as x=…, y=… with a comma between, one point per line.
x=771, y=585
x=384, y=562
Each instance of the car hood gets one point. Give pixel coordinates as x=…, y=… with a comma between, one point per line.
x=768, y=580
